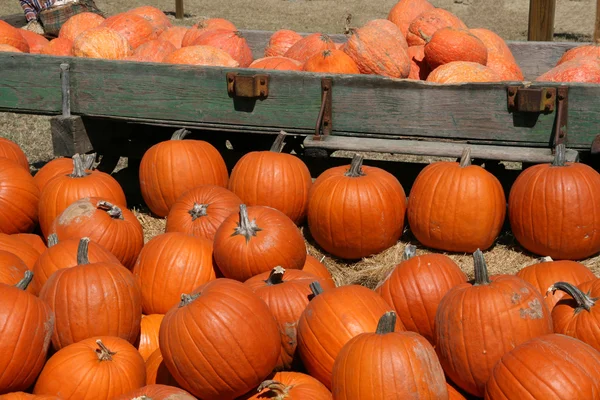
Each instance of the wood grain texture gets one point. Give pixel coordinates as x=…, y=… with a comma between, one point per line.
x=597, y=23
x=541, y=20
x=69, y=136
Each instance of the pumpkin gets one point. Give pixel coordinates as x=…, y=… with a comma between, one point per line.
x=201, y=55
x=332, y=62
x=155, y=17
x=547, y=367
x=476, y=324
x=254, y=240
x=428, y=23
x=136, y=29
x=171, y=168
x=72, y=292
x=6, y=48
x=59, y=47
x=453, y=393
x=79, y=23
x=542, y=275
x=286, y=293
x=393, y=365
x=33, y=240
x=451, y=44
x=306, y=47
x=417, y=285
x=35, y=41
x=10, y=35
x=331, y=319
x=419, y=69
x=505, y=70
x=19, y=198
x=20, y=248
x=12, y=151
x=171, y=264
x=280, y=42
x=355, y=211
x=59, y=166
x=277, y=62
x=199, y=350
x=12, y=269
x=496, y=46
x=591, y=51
x=289, y=386
x=64, y=254
x=203, y=26
x=157, y=372
x=586, y=70
x=405, y=11
x=63, y=190
x=149, y=327
x=462, y=72
x=157, y=392
x=456, y=206
x=113, y=227
x=231, y=42
x=102, y=42
x=152, y=51
x=317, y=268
x=554, y=211
x=390, y=28
x=27, y=396
x=201, y=211
x=273, y=179
x=27, y=323
x=86, y=367
x=378, y=52
x=174, y=34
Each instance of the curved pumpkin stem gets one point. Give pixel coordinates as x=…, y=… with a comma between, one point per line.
x=112, y=210
x=88, y=161
x=188, y=298
x=180, y=134
x=198, y=210
x=583, y=300
x=24, y=283
x=424, y=36
x=465, y=157
x=279, y=389
x=387, y=323
x=276, y=276
x=52, y=240
x=103, y=353
x=481, y=272
x=316, y=288
x=246, y=227
x=560, y=156
x=78, y=167
x=409, y=252
x=279, y=142
x=356, y=167
x=82, y=251
x=348, y=25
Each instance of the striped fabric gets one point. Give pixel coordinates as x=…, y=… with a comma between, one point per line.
x=33, y=7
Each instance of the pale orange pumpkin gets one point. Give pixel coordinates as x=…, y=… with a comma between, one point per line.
x=101, y=42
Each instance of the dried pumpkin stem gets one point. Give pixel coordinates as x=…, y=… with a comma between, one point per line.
x=356, y=167
x=246, y=227
x=188, y=298
x=465, y=157
x=180, y=134
x=24, y=283
x=88, y=161
x=316, y=288
x=409, y=252
x=103, y=353
x=52, y=240
x=278, y=388
x=276, y=276
x=112, y=210
x=481, y=272
x=387, y=323
x=78, y=167
x=560, y=156
x=583, y=300
x=279, y=142
x=198, y=210
x=424, y=36
x=82, y=251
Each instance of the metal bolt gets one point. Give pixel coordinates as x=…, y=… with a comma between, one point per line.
x=548, y=95
x=262, y=92
x=561, y=97
x=512, y=92
x=262, y=81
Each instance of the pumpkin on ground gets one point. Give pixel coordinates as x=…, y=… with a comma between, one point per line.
x=157, y=392
x=277, y=62
x=59, y=47
x=155, y=17
x=33, y=240
x=12, y=269
x=405, y=11
x=203, y=26
x=149, y=327
x=453, y=393
x=304, y=48
x=174, y=34
x=171, y=168
x=476, y=324
x=136, y=29
x=35, y=41
x=289, y=386
x=462, y=72
x=152, y=51
x=428, y=23
x=280, y=42
x=85, y=367
x=553, y=209
x=19, y=199
x=79, y=23
x=200, y=350
x=393, y=365
x=316, y=267
x=452, y=44
x=20, y=248
x=9, y=35
x=201, y=55
x=419, y=69
x=585, y=70
x=331, y=62
x=12, y=151
x=231, y=42
x=101, y=42
x=355, y=211
x=591, y=51
x=157, y=372
x=273, y=179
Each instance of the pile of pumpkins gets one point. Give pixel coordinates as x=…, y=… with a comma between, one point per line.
x=417, y=41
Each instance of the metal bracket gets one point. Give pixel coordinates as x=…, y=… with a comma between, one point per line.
x=248, y=86
x=324, y=120
x=562, y=116
x=523, y=99
x=65, y=85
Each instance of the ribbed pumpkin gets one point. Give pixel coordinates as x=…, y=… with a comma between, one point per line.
x=27, y=396
x=149, y=327
x=175, y=35
x=417, y=285
x=256, y=239
x=10, y=35
x=427, y=23
x=200, y=350
x=171, y=168
x=201, y=55
x=231, y=42
x=277, y=62
x=132, y=27
x=26, y=327
x=6, y=48
x=33, y=240
x=102, y=42
x=171, y=264
x=591, y=51
x=506, y=70
x=79, y=23
x=390, y=28
x=476, y=324
x=419, y=69
x=59, y=47
x=332, y=62
x=152, y=51
x=12, y=269
x=452, y=44
x=201, y=211
x=56, y=167
x=286, y=293
x=280, y=42
x=456, y=206
x=462, y=72
x=35, y=41
x=554, y=211
x=547, y=367
x=392, y=365
x=544, y=274
x=87, y=366
x=12, y=151
x=306, y=47
x=331, y=319
x=157, y=372
x=289, y=386
x=157, y=392
x=113, y=227
x=316, y=267
x=273, y=179
x=355, y=211
x=203, y=26
x=63, y=190
x=585, y=70
x=106, y=293
x=20, y=248
x=405, y=11
x=453, y=393
x=500, y=58
x=19, y=198
x=155, y=17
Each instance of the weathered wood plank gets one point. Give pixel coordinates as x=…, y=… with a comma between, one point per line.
x=597, y=23
x=69, y=136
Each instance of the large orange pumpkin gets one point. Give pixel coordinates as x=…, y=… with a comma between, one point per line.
x=277, y=62
x=355, y=211
x=289, y=386
x=280, y=42
x=405, y=11
x=155, y=17
x=12, y=151
x=157, y=372
x=390, y=28
x=20, y=248
x=156, y=392
x=101, y=42
x=10, y=35
x=56, y=167
x=174, y=35
x=87, y=366
x=306, y=47
x=452, y=44
x=171, y=264
x=463, y=72
x=59, y=47
x=317, y=268
x=171, y=168
x=583, y=69
x=419, y=69
x=554, y=209
x=456, y=206
x=203, y=26
x=200, y=350
x=27, y=323
x=12, y=269
x=591, y=51
x=500, y=58
x=79, y=23
x=19, y=198
x=201, y=55
x=231, y=42
x=427, y=23
x=35, y=41
x=152, y=51
x=392, y=365
x=273, y=179
x=476, y=324
x=149, y=327
x=136, y=29
x=33, y=240
x=331, y=62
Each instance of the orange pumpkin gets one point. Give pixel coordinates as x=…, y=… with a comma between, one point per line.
x=152, y=51
x=56, y=167
x=79, y=23
x=201, y=55
x=10, y=35
x=136, y=29
x=231, y=42
x=102, y=42
x=316, y=267
x=175, y=35
x=451, y=44
x=453, y=393
x=149, y=327
x=155, y=17
x=419, y=69
x=35, y=41
x=277, y=62
x=306, y=47
x=390, y=28
x=583, y=69
x=20, y=248
x=289, y=386
x=462, y=72
x=59, y=47
x=506, y=70
x=157, y=372
x=427, y=23
x=6, y=48
x=591, y=51
x=203, y=26
x=157, y=392
x=27, y=396
x=500, y=58
x=12, y=151
x=280, y=42
x=405, y=11
x=12, y=269
x=33, y=240
x=19, y=198
x=332, y=62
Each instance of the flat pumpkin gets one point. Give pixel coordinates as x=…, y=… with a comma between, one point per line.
x=101, y=42
x=152, y=51
x=136, y=29
x=331, y=62
x=306, y=47
x=231, y=42
x=463, y=72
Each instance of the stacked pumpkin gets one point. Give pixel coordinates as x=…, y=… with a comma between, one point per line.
x=580, y=64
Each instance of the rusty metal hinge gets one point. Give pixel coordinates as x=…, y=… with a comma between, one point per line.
x=249, y=86
x=562, y=116
x=324, y=119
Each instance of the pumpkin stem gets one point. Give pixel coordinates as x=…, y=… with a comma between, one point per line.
x=356, y=167
x=465, y=157
x=279, y=142
x=88, y=161
x=180, y=134
x=112, y=210
x=409, y=252
x=583, y=300
x=387, y=323
x=316, y=288
x=348, y=24
x=246, y=227
x=187, y=299
x=544, y=259
x=103, y=353
x=78, y=167
x=82, y=251
x=276, y=276
x=424, y=36
x=198, y=210
x=560, y=156
x=52, y=240
x=481, y=272
x=24, y=283
x=279, y=389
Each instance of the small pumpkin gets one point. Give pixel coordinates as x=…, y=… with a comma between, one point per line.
x=451, y=44
x=463, y=72
x=175, y=35
x=306, y=47
x=59, y=47
x=157, y=392
x=428, y=23
x=280, y=42
x=12, y=269
x=136, y=29
x=405, y=11
x=419, y=69
x=152, y=51
x=149, y=327
x=277, y=62
x=289, y=385
x=20, y=248
x=317, y=268
x=101, y=42
x=591, y=51
x=203, y=26
x=231, y=42
x=157, y=372
x=201, y=55
x=155, y=17
x=19, y=198
x=35, y=41
x=10, y=35
x=79, y=23
x=585, y=70
x=331, y=62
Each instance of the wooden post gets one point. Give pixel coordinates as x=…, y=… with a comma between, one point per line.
x=597, y=24
x=179, y=9
x=541, y=20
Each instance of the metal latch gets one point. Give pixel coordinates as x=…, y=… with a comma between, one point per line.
x=249, y=86
x=324, y=119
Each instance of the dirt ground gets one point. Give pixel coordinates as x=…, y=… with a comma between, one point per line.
x=574, y=21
